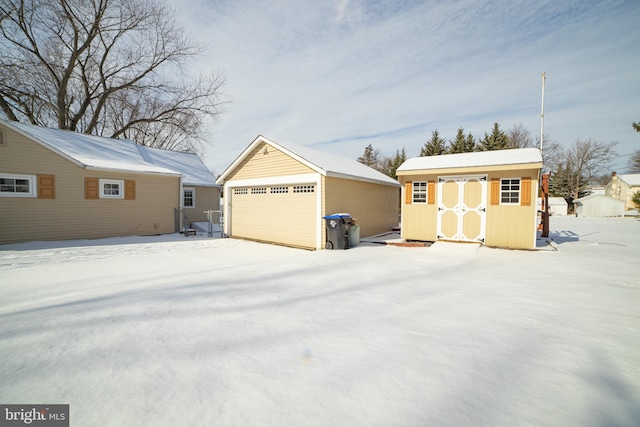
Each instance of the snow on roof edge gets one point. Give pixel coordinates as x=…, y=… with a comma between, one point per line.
x=474, y=159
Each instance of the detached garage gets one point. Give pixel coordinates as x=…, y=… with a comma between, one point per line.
x=486, y=197
x=279, y=193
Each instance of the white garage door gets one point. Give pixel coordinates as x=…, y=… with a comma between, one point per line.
x=285, y=214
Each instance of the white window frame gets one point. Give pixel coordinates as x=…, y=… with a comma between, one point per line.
x=33, y=191
x=118, y=182
x=419, y=191
x=193, y=197
x=510, y=190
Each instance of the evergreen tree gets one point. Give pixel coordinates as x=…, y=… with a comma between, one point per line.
x=392, y=164
x=370, y=157
x=462, y=143
x=470, y=144
x=436, y=146
x=498, y=140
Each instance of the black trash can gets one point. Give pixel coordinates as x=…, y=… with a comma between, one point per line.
x=337, y=226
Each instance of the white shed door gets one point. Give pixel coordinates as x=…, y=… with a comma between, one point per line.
x=462, y=203
x=285, y=214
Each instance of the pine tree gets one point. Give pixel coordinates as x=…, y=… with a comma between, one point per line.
x=498, y=140
x=462, y=143
x=392, y=164
x=436, y=146
x=370, y=157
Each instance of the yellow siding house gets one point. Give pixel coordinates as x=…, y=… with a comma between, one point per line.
x=279, y=193
x=485, y=197
x=59, y=185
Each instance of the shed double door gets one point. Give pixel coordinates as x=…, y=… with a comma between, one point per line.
x=462, y=208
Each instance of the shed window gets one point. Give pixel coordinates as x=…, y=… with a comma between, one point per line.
x=510, y=191
x=17, y=185
x=419, y=192
x=188, y=197
x=111, y=189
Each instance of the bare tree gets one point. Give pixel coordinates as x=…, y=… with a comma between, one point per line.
x=634, y=162
x=579, y=164
x=106, y=67
x=520, y=137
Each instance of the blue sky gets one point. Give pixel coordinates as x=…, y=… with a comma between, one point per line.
x=338, y=75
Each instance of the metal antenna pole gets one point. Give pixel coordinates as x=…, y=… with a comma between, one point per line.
x=544, y=77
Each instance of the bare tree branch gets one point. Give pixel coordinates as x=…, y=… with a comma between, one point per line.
x=105, y=67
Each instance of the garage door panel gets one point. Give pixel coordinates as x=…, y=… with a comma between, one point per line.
x=276, y=216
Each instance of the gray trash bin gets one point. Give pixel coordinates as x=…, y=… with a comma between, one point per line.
x=338, y=231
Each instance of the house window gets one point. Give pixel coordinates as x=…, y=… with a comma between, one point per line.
x=304, y=188
x=111, y=189
x=510, y=191
x=419, y=192
x=17, y=185
x=189, y=197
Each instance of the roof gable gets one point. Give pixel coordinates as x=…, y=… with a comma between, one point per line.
x=476, y=159
x=326, y=164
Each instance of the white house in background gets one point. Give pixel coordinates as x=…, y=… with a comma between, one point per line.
x=57, y=184
x=623, y=187
x=557, y=206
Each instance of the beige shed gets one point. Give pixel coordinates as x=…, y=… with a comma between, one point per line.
x=279, y=193
x=486, y=197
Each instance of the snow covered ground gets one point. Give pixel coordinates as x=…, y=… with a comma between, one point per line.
x=175, y=331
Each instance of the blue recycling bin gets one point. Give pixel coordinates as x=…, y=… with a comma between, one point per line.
x=337, y=226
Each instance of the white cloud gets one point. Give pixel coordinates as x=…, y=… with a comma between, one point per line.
x=380, y=73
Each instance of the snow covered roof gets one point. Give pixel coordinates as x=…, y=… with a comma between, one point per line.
x=631, y=179
x=96, y=152
x=188, y=164
x=482, y=158
x=322, y=162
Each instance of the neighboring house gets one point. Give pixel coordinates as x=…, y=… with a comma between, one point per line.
x=623, y=187
x=279, y=193
x=57, y=184
x=598, y=205
x=487, y=197
x=557, y=206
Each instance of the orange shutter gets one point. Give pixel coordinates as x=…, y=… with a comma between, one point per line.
x=525, y=199
x=129, y=189
x=495, y=191
x=408, y=193
x=91, y=188
x=46, y=187
x=431, y=193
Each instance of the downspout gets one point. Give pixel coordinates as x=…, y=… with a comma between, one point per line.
x=181, y=205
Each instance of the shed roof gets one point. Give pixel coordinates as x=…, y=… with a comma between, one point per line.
x=631, y=179
x=96, y=152
x=322, y=162
x=481, y=158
